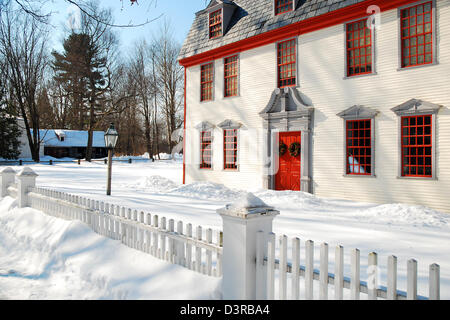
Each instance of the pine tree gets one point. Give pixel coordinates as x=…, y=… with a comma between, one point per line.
x=70, y=71
x=9, y=131
x=82, y=69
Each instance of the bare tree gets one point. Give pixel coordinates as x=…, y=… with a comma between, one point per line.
x=170, y=79
x=144, y=84
x=35, y=10
x=23, y=47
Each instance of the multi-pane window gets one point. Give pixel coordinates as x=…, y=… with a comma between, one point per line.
x=230, y=146
x=359, y=48
x=417, y=146
x=205, y=149
x=215, y=24
x=287, y=69
x=231, y=76
x=359, y=147
x=282, y=6
x=417, y=35
x=207, y=79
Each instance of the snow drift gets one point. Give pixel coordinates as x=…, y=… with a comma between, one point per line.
x=42, y=257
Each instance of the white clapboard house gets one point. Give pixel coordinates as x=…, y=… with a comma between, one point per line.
x=340, y=98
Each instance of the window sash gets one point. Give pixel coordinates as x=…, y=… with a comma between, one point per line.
x=359, y=147
x=206, y=150
x=215, y=24
x=417, y=35
x=287, y=63
x=417, y=146
x=359, y=48
x=230, y=149
x=283, y=6
x=231, y=76
x=206, y=81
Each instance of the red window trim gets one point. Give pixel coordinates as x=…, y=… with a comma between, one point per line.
x=283, y=6
x=354, y=55
x=215, y=24
x=289, y=67
x=417, y=146
x=416, y=48
x=230, y=149
x=206, y=150
x=359, y=140
x=231, y=82
x=206, y=82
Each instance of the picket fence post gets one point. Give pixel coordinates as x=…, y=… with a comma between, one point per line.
x=241, y=223
x=6, y=179
x=27, y=180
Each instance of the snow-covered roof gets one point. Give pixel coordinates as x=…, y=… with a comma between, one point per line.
x=72, y=138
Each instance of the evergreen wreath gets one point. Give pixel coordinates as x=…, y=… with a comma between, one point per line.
x=283, y=148
x=294, y=149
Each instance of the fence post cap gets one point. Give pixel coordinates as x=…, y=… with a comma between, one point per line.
x=248, y=206
x=27, y=172
x=8, y=170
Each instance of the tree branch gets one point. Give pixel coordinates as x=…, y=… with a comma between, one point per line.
x=98, y=19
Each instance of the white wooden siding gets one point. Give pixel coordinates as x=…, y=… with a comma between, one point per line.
x=257, y=72
x=321, y=79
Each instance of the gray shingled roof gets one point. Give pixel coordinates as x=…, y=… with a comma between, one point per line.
x=253, y=17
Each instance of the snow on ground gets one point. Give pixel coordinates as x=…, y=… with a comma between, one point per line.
x=46, y=258
x=398, y=229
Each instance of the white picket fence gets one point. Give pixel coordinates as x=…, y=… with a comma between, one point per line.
x=267, y=263
x=163, y=238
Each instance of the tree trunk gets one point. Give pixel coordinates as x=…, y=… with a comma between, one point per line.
x=90, y=131
x=156, y=134
x=148, y=139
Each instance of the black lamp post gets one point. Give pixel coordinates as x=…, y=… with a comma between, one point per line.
x=111, y=137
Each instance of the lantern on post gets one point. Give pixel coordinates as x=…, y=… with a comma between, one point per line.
x=111, y=137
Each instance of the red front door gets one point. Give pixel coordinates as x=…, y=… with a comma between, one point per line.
x=288, y=175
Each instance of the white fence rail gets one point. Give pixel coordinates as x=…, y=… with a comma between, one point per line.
x=267, y=263
x=138, y=230
x=166, y=239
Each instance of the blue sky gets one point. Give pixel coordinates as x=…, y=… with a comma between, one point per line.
x=180, y=13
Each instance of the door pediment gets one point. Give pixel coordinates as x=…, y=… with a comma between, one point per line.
x=286, y=103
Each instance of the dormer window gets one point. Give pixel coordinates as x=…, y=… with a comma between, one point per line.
x=61, y=135
x=219, y=14
x=283, y=6
x=215, y=24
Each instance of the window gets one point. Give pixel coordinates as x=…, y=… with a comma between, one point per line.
x=231, y=76
x=283, y=6
x=359, y=147
x=287, y=69
x=359, y=48
x=215, y=24
x=207, y=78
x=417, y=139
x=230, y=145
x=417, y=35
x=417, y=146
x=206, y=150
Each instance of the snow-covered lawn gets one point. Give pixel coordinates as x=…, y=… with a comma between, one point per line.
x=44, y=257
